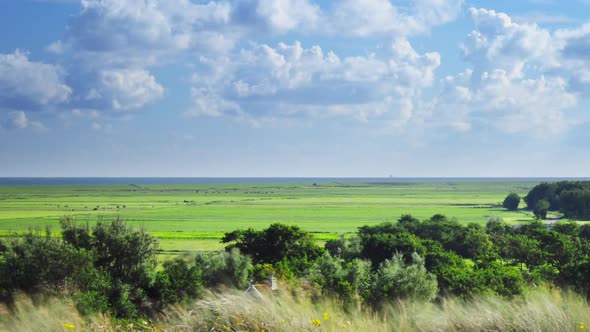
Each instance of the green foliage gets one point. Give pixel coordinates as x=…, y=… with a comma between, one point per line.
x=346, y=248
x=379, y=246
x=503, y=280
x=178, y=281
x=347, y=280
x=584, y=232
x=224, y=268
x=569, y=228
x=127, y=257
x=511, y=202
x=395, y=280
x=34, y=263
x=575, y=204
x=474, y=243
x=408, y=219
x=454, y=275
x=541, y=208
x=572, y=198
x=439, y=228
x=522, y=248
x=276, y=244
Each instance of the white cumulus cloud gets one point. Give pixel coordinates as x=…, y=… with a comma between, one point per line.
x=499, y=43
x=290, y=80
x=29, y=85
x=126, y=89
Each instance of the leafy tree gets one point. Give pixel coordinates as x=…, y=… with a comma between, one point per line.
x=438, y=218
x=475, y=243
x=382, y=246
x=125, y=255
x=511, y=202
x=523, y=249
x=275, y=244
x=408, y=219
x=540, y=210
x=544, y=191
x=575, y=204
x=439, y=228
x=552, y=192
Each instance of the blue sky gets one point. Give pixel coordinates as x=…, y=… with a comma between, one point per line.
x=425, y=88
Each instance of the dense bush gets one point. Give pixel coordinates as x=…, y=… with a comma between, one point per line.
x=111, y=268
x=35, y=262
x=178, y=281
x=289, y=247
x=395, y=279
x=224, y=268
x=126, y=256
x=347, y=280
x=511, y=202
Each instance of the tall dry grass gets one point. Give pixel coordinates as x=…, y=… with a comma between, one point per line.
x=235, y=311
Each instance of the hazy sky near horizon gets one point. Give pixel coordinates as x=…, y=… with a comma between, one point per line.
x=425, y=88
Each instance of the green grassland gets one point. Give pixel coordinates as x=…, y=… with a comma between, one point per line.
x=194, y=217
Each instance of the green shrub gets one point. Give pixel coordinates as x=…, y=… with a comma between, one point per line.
x=224, y=268
x=35, y=263
x=397, y=280
x=511, y=202
x=541, y=208
x=178, y=282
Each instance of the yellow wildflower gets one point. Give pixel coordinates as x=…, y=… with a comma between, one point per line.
x=316, y=322
x=69, y=326
x=326, y=316
x=582, y=326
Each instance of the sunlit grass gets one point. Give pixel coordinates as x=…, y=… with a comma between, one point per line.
x=538, y=310
x=201, y=213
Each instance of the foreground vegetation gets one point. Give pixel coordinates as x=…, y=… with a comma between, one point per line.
x=378, y=278
x=539, y=310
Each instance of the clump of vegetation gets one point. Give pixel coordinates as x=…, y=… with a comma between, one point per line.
x=511, y=202
x=110, y=268
x=572, y=198
x=289, y=249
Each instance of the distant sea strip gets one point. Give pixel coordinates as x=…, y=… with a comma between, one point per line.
x=100, y=181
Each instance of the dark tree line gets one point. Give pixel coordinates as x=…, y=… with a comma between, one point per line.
x=572, y=198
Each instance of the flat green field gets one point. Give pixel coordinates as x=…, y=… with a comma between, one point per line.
x=194, y=217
